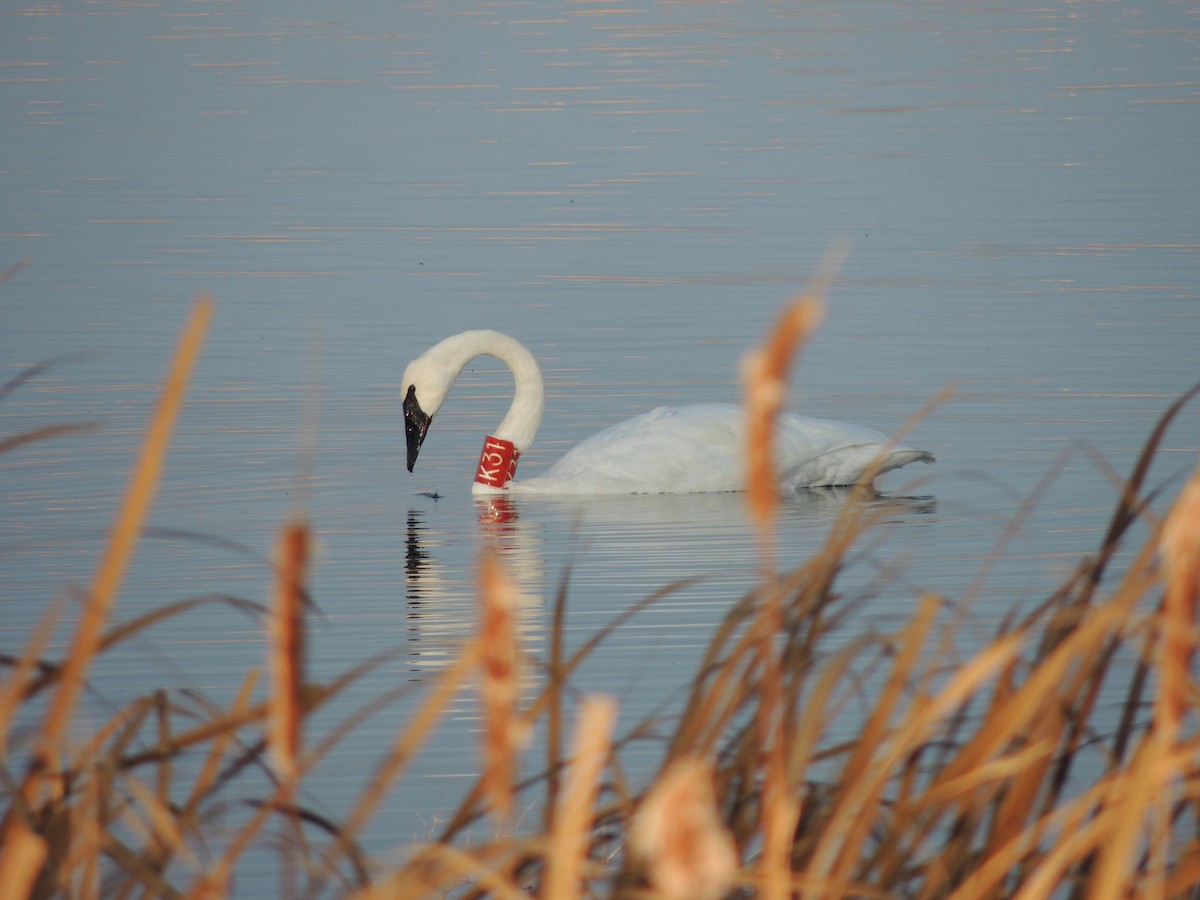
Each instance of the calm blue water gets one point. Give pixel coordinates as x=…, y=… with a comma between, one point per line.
x=633, y=192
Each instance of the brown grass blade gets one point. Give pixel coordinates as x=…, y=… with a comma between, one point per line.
x=911, y=645
x=89, y=834
x=1009, y=767
x=1132, y=504
x=567, y=850
x=216, y=751
x=46, y=433
x=414, y=733
x=556, y=678
x=1179, y=547
x=437, y=866
x=1010, y=719
x=718, y=690
x=1113, y=834
x=1142, y=797
x=780, y=810
x=842, y=840
x=33, y=371
x=124, y=537
x=21, y=858
x=19, y=682
x=49, y=674
x=157, y=824
x=1068, y=820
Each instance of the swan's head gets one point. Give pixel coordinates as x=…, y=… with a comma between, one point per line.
x=425, y=387
x=429, y=377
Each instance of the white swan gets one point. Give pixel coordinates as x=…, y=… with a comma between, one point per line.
x=687, y=449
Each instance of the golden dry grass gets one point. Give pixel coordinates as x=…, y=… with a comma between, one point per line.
x=984, y=776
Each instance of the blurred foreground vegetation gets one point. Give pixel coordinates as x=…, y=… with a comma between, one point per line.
x=1062, y=759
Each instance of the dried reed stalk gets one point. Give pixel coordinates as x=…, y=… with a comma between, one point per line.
x=1052, y=693
x=678, y=833
x=442, y=865
x=1141, y=800
x=567, y=850
x=504, y=732
x=207, y=776
x=850, y=824
x=89, y=833
x=1179, y=547
x=21, y=858
x=14, y=691
x=45, y=433
x=159, y=827
x=409, y=739
x=122, y=541
x=910, y=643
x=1011, y=720
x=556, y=677
x=42, y=784
x=287, y=651
x=780, y=813
x=764, y=373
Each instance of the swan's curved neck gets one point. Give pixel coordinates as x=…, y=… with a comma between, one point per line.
x=524, y=416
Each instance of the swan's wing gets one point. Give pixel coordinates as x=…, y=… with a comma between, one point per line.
x=822, y=452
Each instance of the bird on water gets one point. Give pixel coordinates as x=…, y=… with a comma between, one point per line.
x=670, y=450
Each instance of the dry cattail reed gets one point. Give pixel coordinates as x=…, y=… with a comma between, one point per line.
x=678, y=833
x=1143, y=796
x=567, y=850
x=287, y=650
x=123, y=539
x=21, y=857
x=765, y=371
x=1179, y=548
x=504, y=730
x=851, y=822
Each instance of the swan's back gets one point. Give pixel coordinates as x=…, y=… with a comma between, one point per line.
x=700, y=448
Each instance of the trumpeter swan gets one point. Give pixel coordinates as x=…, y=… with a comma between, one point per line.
x=671, y=450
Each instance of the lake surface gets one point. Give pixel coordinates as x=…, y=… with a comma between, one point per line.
x=633, y=191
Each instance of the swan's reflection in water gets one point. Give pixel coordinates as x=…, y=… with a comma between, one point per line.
x=441, y=599
x=425, y=582
x=619, y=549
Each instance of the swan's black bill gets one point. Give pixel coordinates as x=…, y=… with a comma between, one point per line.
x=416, y=424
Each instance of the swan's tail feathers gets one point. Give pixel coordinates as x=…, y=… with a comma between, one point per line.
x=898, y=458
